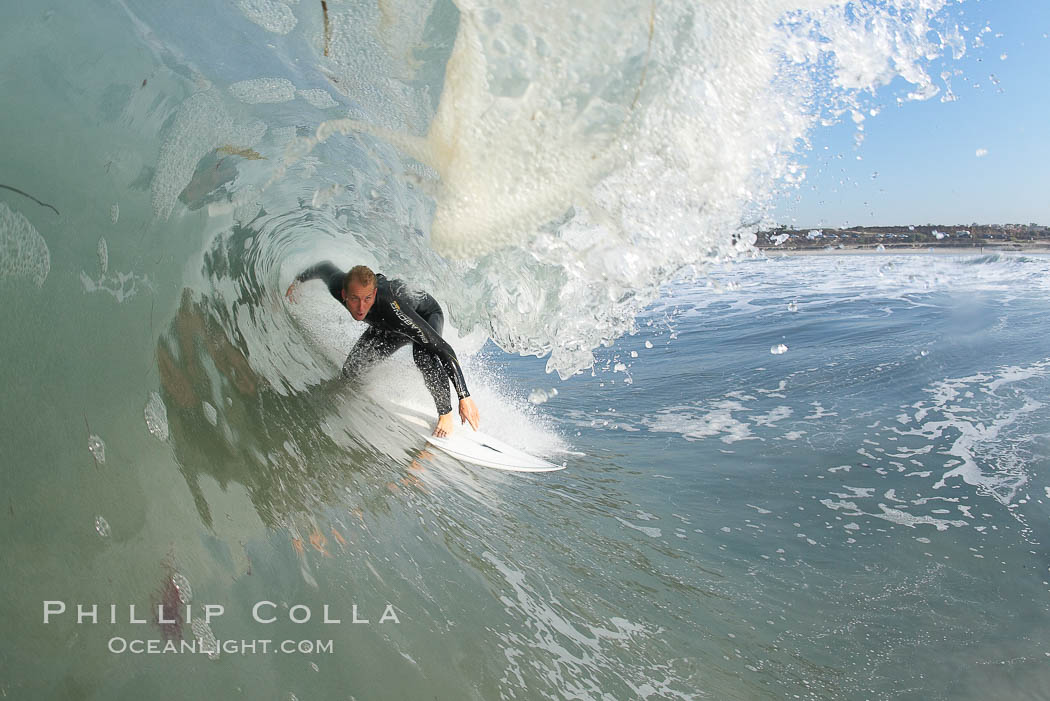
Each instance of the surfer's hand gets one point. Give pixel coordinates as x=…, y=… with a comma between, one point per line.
x=468, y=412
x=293, y=292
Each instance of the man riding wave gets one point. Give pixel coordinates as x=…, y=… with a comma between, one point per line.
x=396, y=316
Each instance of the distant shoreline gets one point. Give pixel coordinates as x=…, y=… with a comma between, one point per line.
x=843, y=249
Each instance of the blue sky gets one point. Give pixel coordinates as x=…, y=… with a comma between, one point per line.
x=925, y=153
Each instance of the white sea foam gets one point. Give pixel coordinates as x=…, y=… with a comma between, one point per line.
x=650, y=531
x=97, y=449
x=264, y=91
x=571, y=654
x=321, y=99
x=156, y=415
x=777, y=414
x=205, y=638
x=103, y=255
x=182, y=585
x=271, y=15
x=202, y=124
x=539, y=396
x=697, y=423
x=903, y=518
x=102, y=527
x=975, y=430
x=23, y=251
x=123, y=286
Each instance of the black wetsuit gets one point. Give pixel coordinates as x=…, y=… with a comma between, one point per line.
x=399, y=316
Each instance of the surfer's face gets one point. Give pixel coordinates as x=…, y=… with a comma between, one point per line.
x=359, y=299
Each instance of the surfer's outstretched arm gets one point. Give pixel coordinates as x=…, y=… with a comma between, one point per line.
x=325, y=270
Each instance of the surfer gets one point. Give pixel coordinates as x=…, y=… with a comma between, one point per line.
x=396, y=316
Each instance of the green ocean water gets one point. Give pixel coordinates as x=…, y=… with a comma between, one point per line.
x=819, y=477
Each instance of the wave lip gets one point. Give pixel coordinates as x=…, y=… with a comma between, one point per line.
x=605, y=150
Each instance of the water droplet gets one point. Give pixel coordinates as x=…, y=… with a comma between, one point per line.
x=102, y=526
x=156, y=417
x=648, y=344
x=778, y=349
x=103, y=254
x=97, y=448
x=182, y=585
x=793, y=306
x=634, y=354
x=539, y=396
x=205, y=638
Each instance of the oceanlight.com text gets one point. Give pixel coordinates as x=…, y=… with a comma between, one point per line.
x=153, y=646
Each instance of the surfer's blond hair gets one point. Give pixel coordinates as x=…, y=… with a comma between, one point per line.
x=362, y=275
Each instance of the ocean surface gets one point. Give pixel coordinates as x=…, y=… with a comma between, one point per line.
x=816, y=477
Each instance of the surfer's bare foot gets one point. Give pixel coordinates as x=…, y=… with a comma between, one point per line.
x=445, y=427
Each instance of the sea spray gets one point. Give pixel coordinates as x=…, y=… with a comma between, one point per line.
x=576, y=161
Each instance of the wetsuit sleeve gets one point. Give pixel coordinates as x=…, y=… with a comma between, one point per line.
x=324, y=270
x=415, y=327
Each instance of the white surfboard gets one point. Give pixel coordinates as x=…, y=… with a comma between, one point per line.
x=477, y=448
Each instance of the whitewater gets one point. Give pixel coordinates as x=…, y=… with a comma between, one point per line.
x=786, y=476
